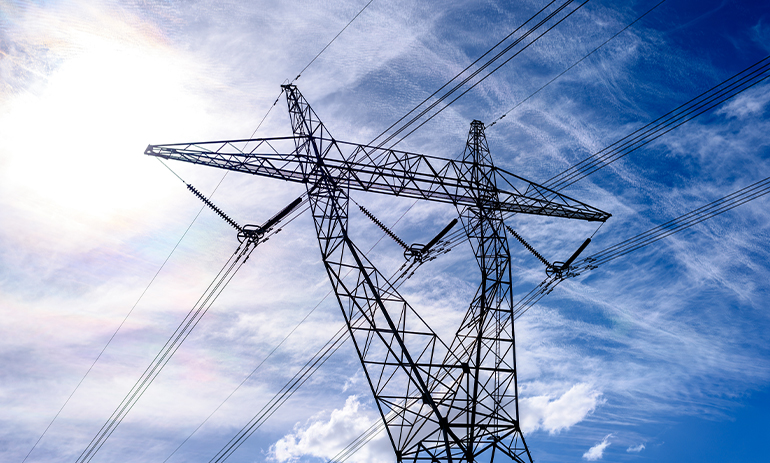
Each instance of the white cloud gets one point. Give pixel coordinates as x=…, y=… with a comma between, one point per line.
x=636, y=448
x=554, y=415
x=324, y=438
x=750, y=103
x=597, y=451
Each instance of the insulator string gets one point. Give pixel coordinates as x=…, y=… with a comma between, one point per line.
x=526, y=245
x=383, y=227
x=213, y=207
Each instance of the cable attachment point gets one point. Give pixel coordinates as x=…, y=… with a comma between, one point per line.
x=255, y=233
x=213, y=207
x=384, y=228
x=557, y=269
x=419, y=252
x=562, y=269
x=250, y=232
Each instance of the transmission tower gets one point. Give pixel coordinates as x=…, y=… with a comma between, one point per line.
x=440, y=402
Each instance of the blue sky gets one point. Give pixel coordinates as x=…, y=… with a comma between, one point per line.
x=662, y=355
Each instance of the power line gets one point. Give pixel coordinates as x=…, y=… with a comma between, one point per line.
x=681, y=223
x=331, y=41
x=707, y=100
x=299, y=378
x=575, y=64
x=489, y=63
x=109, y=341
x=458, y=75
x=204, y=303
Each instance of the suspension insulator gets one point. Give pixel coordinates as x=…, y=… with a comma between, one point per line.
x=530, y=248
x=213, y=207
x=383, y=227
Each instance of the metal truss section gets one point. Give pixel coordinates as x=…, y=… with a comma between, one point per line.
x=439, y=403
x=372, y=169
x=398, y=350
x=485, y=340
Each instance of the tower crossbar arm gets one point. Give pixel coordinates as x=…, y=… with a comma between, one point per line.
x=377, y=170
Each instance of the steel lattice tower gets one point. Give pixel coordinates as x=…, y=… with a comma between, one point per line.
x=440, y=402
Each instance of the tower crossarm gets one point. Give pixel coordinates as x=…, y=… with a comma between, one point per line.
x=377, y=170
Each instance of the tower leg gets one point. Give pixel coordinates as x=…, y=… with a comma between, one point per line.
x=396, y=347
x=486, y=340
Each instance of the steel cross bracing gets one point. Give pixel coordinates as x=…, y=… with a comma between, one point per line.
x=485, y=339
x=440, y=403
x=374, y=169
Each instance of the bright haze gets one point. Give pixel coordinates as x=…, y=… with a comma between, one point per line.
x=661, y=355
